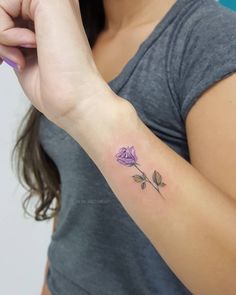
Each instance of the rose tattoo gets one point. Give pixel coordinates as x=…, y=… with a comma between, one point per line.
x=127, y=157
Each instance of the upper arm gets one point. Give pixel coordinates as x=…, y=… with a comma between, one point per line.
x=211, y=135
x=206, y=92
x=54, y=223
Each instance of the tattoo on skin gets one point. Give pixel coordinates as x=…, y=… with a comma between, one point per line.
x=127, y=157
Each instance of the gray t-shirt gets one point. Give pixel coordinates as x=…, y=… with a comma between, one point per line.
x=96, y=247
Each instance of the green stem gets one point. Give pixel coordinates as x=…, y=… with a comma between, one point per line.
x=144, y=175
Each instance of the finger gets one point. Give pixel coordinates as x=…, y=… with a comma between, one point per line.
x=9, y=35
x=13, y=54
x=17, y=37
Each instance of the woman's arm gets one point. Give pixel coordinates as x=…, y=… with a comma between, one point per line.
x=45, y=290
x=191, y=222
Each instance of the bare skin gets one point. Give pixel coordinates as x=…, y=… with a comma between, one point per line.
x=109, y=50
x=127, y=22
x=45, y=290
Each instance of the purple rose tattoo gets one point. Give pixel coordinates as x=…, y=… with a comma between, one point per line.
x=127, y=157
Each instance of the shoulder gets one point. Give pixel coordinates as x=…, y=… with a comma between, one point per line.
x=214, y=20
x=204, y=21
x=211, y=36
x=204, y=51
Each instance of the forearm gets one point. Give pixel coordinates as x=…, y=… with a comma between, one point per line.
x=191, y=223
x=45, y=290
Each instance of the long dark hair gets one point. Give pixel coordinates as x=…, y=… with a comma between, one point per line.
x=35, y=170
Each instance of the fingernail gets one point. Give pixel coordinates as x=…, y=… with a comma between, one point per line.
x=11, y=63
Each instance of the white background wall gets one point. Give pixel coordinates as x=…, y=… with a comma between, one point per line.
x=23, y=241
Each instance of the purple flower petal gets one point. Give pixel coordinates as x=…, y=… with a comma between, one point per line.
x=127, y=156
x=121, y=152
x=132, y=153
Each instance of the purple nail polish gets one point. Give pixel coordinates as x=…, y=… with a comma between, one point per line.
x=11, y=63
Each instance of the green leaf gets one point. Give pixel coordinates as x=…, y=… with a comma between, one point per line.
x=156, y=177
x=143, y=185
x=138, y=178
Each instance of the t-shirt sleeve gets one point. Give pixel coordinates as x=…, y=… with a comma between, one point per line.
x=209, y=56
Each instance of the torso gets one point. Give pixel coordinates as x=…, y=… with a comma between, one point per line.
x=111, y=54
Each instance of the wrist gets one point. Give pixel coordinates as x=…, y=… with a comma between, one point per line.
x=105, y=106
x=97, y=125
x=93, y=93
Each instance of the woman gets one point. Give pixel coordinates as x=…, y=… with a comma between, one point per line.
x=133, y=138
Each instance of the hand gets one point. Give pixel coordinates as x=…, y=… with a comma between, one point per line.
x=58, y=73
